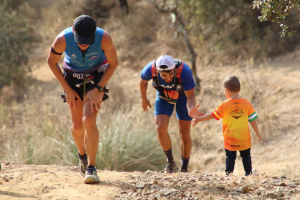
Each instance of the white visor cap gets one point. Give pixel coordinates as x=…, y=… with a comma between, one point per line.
x=164, y=63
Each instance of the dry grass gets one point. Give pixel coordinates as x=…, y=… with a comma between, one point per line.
x=37, y=131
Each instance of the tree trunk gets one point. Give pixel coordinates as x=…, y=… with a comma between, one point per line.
x=193, y=54
x=189, y=46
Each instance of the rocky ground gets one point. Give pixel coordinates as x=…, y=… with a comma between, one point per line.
x=196, y=185
x=18, y=181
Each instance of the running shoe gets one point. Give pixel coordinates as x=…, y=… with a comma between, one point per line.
x=183, y=170
x=171, y=167
x=91, y=175
x=228, y=173
x=248, y=173
x=83, y=162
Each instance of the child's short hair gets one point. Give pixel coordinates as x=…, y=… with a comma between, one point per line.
x=232, y=83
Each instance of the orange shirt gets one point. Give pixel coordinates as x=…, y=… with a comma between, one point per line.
x=235, y=113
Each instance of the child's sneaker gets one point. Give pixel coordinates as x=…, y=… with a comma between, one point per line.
x=228, y=173
x=91, y=175
x=83, y=162
x=171, y=167
x=248, y=173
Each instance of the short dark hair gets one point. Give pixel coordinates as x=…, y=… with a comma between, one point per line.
x=232, y=83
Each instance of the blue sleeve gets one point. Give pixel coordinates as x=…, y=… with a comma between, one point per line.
x=186, y=78
x=146, y=72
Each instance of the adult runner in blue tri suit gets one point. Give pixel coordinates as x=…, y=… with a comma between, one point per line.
x=90, y=61
x=175, y=86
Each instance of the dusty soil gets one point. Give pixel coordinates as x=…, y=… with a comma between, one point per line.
x=55, y=182
x=19, y=181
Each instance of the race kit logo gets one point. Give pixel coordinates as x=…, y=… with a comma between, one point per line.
x=168, y=86
x=236, y=112
x=93, y=57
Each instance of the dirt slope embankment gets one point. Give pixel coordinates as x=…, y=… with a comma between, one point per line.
x=19, y=181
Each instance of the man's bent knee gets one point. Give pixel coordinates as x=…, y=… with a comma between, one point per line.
x=89, y=121
x=77, y=127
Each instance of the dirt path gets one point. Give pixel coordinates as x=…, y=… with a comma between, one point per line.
x=61, y=182
x=55, y=182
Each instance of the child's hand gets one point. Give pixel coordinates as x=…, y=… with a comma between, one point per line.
x=258, y=136
x=195, y=121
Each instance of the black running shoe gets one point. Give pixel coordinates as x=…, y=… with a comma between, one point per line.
x=83, y=162
x=171, y=167
x=183, y=170
x=228, y=173
x=248, y=173
x=91, y=175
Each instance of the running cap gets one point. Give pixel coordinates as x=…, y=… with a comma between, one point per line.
x=164, y=63
x=85, y=28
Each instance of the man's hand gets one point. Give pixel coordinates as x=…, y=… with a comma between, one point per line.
x=145, y=104
x=95, y=99
x=193, y=112
x=70, y=96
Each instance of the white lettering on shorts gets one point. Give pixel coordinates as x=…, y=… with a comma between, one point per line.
x=80, y=76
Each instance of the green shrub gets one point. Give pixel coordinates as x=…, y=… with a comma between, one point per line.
x=128, y=143
x=18, y=38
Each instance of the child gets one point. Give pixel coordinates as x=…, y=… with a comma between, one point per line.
x=236, y=112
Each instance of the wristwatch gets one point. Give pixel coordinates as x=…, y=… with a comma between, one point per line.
x=100, y=89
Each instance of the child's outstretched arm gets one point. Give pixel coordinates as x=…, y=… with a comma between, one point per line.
x=254, y=126
x=202, y=118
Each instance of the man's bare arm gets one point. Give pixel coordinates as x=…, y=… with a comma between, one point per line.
x=111, y=55
x=190, y=104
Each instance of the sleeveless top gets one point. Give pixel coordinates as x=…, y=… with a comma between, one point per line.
x=74, y=60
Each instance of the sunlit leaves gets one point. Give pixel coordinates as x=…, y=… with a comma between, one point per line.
x=276, y=11
x=173, y=17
